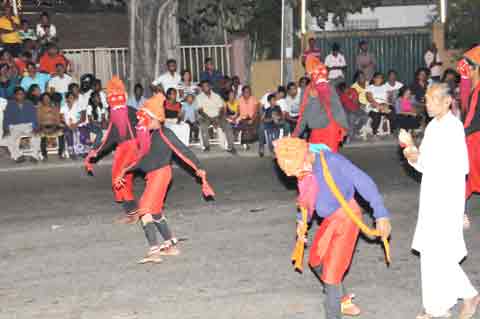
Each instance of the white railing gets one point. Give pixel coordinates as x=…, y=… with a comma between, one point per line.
x=192, y=57
x=103, y=62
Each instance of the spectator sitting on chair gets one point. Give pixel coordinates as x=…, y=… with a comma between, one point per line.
x=98, y=88
x=50, y=125
x=186, y=86
x=137, y=100
x=169, y=79
x=71, y=114
x=379, y=107
x=420, y=85
x=9, y=27
x=21, y=63
x=273, y=121
x=8, y=83
x=406, y=117
x=31, y=47
x=60, y=82
x=34, y=77
x=189, y=111
x=20, y=120
x=303, y=82
x=237, y=86
x=34, y=94
x=211, y=111
x=46, y=32
x=232, y=108
x=356, y=116
x=211, y=75
x=96, y=119
x=393, y=87
x=248, y=120
x=293, y=100
x=174, y=117
x=50, y=60
x=360, y=85
x=26, y=32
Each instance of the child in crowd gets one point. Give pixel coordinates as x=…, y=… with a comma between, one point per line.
x=71, y=114
x=26, y=33
x=174, y=117
x=96, y=116
x=406, y=117
x=273, y=121
x=356, y=116
x=189, y=111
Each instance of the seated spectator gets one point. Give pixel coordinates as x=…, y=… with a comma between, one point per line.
x=8, y=83
x=34, y=94
x=71, y=113
x=360, y=85
x=303, y=82
x=137, y=100
x=98, y=88
x=46, y=32
x=96, y=119
x=378, y=107
x=406, y=117
x=60, y=82
x=281, y=95
x=27, y=33
x=9, y=27
x=211, y=75
x=420, y=85
x=237, y=86
x=273, y=121
x=174, y=117
x=189, y=111
x=169, y=79
x=452, y=79
x=393, y=87
x=34, y=77
x=7, y=58
x=87, y=82
x=356, y=116
x=186, y=86
x=248, y=111
x=20, y=126
x=21, y=63
x=225, y=87
x=293, y=101
x=50, y=60
x=210, y=109
x=31, y=47
x=50, y=126
x=231, y=108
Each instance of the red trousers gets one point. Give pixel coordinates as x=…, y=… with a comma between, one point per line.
x=331, y=136
x=333, y=245
x=125, y=154
x=155, y=191
x=473, y=180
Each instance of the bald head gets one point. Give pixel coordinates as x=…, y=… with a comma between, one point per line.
x=438, y=100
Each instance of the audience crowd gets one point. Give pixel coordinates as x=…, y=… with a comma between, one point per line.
x=44, y=109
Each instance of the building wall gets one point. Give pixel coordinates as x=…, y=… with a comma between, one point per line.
x=390, y=17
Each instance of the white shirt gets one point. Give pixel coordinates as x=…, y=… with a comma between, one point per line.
x=335, y=61
x=443, y=160
x=52, y=31
x=294, y=104
x=283, y=105
x=100, y=111
x=84, y=99
x=167, y=80
x=392, y=90
x=60, y=85
x=379, y=93
x=71, y=115
x=211, y=105
x=435, y=70
x=264, y=100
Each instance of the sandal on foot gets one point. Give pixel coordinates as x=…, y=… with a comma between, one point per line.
x=425, y=315
x=348, y=307
x=169, y=248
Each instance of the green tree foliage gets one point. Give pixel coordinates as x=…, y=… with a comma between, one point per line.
x=338, y=8
x=463, y=23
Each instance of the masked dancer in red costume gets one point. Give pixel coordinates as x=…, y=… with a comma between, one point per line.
x=119, y=136
x=321, y=111
x=155, y=147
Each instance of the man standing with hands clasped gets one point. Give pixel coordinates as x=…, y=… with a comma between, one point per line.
x=443, y=160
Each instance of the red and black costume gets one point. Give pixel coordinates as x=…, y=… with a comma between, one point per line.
x=321, y=110
x=472, y=126
x=120, y=136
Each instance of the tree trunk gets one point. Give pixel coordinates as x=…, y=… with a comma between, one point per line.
x=154, y=38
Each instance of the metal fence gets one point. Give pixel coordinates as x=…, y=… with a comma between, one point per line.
x=399, y=49
x=103, y=62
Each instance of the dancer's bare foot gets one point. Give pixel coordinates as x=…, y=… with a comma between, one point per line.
x=153, y=256
x=169, y=248
x=469, y=307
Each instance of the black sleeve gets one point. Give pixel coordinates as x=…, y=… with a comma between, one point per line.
x=187, y=152
x=109, y=145
x=132, y=117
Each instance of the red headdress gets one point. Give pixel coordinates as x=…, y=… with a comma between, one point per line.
x=117, y=100
x=473, y=57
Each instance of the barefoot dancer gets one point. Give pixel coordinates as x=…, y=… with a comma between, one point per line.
x=119, y=136
x=334, y=243
x=156, y=146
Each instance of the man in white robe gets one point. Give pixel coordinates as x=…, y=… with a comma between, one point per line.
x=443, y=160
